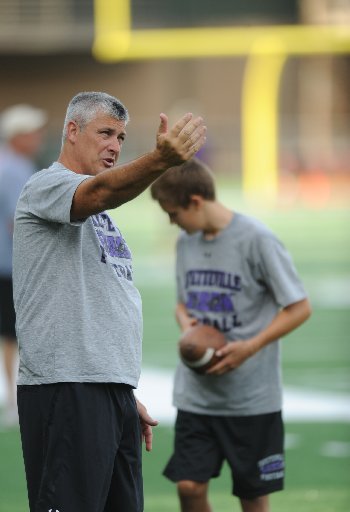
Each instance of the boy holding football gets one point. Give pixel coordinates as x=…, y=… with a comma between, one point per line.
x=234, y=274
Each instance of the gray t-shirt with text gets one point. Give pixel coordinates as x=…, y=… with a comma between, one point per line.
x=78, y=312
x=237, y=282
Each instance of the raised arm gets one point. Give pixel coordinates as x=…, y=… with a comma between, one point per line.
x=115, y=186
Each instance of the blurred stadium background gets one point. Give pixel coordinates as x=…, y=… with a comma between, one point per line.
x=46, y=57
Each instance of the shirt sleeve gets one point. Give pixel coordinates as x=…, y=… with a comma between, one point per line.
x=277, y=271
x=50, y=193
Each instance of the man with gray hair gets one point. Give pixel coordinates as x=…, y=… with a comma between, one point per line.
x=22, y=131
x=79, y=318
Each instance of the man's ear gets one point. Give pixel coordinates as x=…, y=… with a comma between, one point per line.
x=72, y=131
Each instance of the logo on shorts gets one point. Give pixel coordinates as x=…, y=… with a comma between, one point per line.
x=51, y=510
x=272, y=468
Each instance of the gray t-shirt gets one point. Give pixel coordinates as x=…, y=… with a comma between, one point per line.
x=79, y=315
x=237, y=282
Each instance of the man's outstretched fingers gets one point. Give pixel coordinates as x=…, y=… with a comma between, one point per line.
x=198, y=140
x=184, y=139
x=190, y=128
x=198, y=134
x=180, y=124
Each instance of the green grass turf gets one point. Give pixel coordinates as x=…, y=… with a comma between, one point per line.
x=315, y=482
x=13, y=494
x=288, y=501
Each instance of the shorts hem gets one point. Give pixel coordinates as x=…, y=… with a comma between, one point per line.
x=198, y=478
x=258, y=494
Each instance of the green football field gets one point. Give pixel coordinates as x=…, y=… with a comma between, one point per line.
x=315, y=358
x=315, y=481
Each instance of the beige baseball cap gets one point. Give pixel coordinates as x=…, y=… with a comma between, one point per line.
x=21, y=118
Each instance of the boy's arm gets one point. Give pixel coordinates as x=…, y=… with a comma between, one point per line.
x=236, y=352
x=184, y=320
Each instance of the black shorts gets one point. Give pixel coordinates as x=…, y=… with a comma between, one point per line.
x=252, y=446
x=82, y=447
x=7, y=310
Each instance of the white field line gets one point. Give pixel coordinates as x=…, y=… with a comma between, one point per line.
x=155, y=391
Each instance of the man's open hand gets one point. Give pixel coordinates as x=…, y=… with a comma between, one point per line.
x=182, y=141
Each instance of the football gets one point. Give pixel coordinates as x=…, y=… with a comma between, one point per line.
x=197, y=347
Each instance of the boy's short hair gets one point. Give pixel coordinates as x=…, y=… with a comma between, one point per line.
x=178, y=184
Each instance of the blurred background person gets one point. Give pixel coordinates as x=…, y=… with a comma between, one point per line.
x=22, y=129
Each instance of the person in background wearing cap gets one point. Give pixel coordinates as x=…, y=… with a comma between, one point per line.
x=21, y=131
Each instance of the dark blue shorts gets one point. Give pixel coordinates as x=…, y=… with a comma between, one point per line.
x=251, y=445
x=82, y=447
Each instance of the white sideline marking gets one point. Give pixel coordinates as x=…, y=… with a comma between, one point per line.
x=155, y=391
x=336, y=449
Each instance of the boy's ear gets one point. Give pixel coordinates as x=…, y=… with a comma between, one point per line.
x=196, y=200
